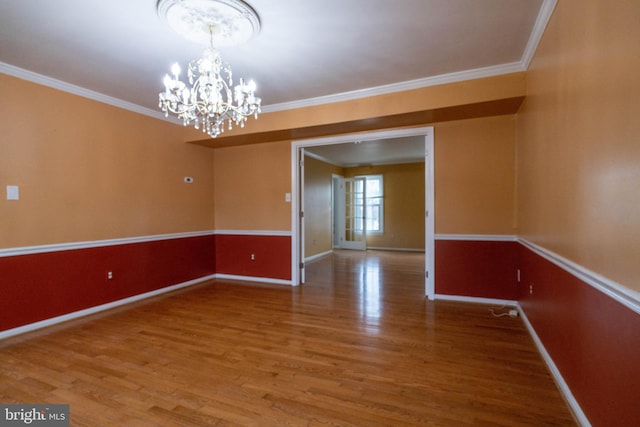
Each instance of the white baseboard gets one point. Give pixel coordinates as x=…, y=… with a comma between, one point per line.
x=93, y=310
x=476, y=300
x=478, y=237
x=378, y=248
x=579, y=415
x=316, y=256
x=252, y=279
x=555, y=372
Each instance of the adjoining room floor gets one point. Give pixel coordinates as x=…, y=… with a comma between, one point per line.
x=357, y=345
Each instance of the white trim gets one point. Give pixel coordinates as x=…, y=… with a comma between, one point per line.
x=92, y=310
x=317, y=256
x=441, y=79
x=541, y=22
x=28, y=250
x=540, y=25
x=430, y=214
x=296, y=205
x=252, y=279
x=478, y=237
x=426, y=131
x=628, y=297
x=338, y=97
x=476, y=300
x=546, y=10
x=553, y=369
x=368, y=136
x=380, y=248
x=253, y=232
x=41, y=79
x=57, y=247
x=555, y=372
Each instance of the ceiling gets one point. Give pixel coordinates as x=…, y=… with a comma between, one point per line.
x=374, y=152
x=307, y=51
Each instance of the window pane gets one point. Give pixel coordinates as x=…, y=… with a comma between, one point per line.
x=372, y=206
x=374, y=186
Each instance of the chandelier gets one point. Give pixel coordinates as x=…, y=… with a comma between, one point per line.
x=210, y=100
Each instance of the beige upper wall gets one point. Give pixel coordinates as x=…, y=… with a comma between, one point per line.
x=250, y=187
x=251, y=179
x=475, y=176
x=490, y=96
x=89, y=171
x=403, y=208
x=579, y=139
x=474, y=180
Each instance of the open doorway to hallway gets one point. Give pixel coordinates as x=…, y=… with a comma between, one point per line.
x=395, y=145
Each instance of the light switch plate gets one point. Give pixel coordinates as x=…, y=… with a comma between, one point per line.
x=13, y=192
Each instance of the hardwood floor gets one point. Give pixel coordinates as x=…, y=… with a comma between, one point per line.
x=358, y=345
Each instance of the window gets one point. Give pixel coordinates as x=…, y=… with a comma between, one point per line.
x=374, y=207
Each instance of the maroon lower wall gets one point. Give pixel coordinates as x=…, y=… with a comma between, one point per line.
x=593, y=340
x=40, y=286
x=471, y=268
x=272, y=256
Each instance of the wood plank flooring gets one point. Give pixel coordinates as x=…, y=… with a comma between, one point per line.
x=358, y=345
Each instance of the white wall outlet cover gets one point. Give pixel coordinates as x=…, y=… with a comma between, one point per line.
x=13, y=192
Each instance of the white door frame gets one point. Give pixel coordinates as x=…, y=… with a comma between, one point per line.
x=361, y=244
x=296, y=203
x=335, y=211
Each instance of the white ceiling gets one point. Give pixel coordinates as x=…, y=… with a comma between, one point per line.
x=374, y=152
x=307, y=50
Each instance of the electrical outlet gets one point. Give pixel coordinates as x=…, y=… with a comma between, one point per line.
x=253, y=257
x=530, y=288
x=513, y=313
x=109, y=275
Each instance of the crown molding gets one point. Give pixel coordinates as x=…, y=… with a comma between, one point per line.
x=538, y=30
x=24, y=74
x=441, y=79
x=544, y=15
x=63, y=86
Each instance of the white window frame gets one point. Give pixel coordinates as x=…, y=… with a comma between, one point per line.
x=368, y=178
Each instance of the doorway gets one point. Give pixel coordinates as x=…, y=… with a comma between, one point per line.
x=297, y=212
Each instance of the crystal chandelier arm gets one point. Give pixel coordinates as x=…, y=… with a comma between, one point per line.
x=209, y=99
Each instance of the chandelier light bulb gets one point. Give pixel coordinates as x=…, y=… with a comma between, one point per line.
x=209, y=99
x=167, y=83
x=175, y=70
